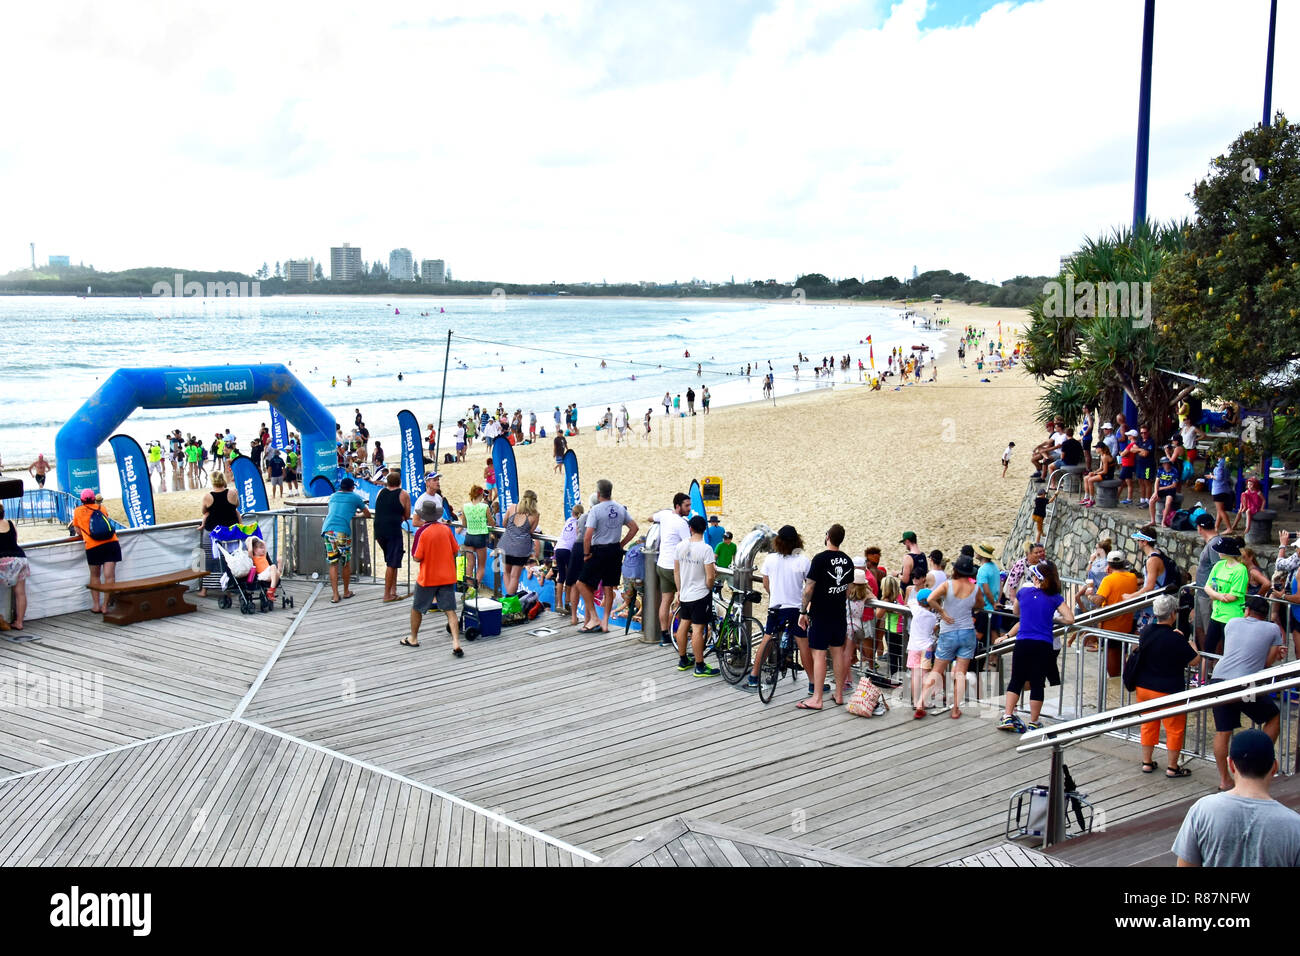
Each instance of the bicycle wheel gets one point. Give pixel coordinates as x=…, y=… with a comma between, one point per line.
x=769, y=671
x=735, y=645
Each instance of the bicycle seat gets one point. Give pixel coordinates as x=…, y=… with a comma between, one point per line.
x=754, y=597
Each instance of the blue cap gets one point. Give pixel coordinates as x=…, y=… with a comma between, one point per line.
x=923, y=594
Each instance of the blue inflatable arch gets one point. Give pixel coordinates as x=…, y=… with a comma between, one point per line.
x=76, y=446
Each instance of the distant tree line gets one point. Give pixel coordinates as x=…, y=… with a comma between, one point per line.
x=1017, y=292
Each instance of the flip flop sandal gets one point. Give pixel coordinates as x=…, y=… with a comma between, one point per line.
x=1180, y=772
x=457, y=652
x=406, y=643
x=1148, y=768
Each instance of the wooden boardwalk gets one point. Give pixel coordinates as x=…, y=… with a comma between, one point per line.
x=312, y=737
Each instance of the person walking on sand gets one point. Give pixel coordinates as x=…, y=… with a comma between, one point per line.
x=647, y=422
x=668, y=403
x=560, y=448
x=1006, y=457
x=824, y=615
x=435, y=585
x=38, y=470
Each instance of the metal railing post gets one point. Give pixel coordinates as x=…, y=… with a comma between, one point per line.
x=650, y=601
x=1054, y=832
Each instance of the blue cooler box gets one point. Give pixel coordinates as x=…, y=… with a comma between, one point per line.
x=484, y=614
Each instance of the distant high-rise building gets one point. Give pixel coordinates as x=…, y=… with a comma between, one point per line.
x=401, y=267
x=299, y=270
x=433, y=271
x=345, y=263
x=59, y=261
x=914, y=273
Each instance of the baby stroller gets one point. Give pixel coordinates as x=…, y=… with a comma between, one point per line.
x=238, y=575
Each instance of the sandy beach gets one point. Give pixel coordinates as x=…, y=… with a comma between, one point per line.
x=925, y=458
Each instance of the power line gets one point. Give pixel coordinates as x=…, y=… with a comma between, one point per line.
x=675, y=368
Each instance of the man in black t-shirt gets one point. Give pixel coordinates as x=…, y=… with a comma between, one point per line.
x=825, y=618
x=1071, y=452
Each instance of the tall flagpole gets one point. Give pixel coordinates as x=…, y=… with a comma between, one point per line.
x=1268, y=69
x=437, y=435
x=1144, y=119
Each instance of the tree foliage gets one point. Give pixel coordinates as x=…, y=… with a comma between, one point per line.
x=1229, y=303
x=1092, y=355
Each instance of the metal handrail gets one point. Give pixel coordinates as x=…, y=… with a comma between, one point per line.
x=1197, y=699
x=1278, y=677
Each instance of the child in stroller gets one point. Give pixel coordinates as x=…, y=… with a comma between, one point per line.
x=248, y=570
x=266, y=571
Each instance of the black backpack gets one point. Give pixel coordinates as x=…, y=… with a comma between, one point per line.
x=449, y=459
x=1174, y=578
x=1182, y=520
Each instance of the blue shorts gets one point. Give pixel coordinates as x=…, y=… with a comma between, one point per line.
x=782, y=619
x=1125, y=472
x=955, y=644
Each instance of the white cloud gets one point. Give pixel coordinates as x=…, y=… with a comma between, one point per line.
x=582, y=140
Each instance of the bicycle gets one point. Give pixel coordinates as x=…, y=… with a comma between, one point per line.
x=730, y=634
x=782, y=654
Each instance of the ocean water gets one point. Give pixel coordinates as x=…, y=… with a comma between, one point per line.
x=531, y=353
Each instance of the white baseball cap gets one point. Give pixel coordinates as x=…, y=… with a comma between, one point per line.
x=1108, y=425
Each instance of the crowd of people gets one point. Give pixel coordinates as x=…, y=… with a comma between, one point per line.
x=1155, y=478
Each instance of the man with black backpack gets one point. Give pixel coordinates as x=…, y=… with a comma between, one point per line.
x=103, y=551
x=1161, y=574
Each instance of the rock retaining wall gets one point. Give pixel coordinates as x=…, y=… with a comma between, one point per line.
x=1072, y=532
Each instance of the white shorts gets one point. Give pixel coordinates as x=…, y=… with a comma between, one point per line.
x=265, y=575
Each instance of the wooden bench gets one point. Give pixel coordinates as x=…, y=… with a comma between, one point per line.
x=145, y=599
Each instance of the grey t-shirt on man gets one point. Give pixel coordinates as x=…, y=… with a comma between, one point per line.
x=1246, y=643
x=607, y=519
x=1203, y=567
x=1224, y=829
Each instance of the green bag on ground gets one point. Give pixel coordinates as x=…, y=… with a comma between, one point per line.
x=511, y=605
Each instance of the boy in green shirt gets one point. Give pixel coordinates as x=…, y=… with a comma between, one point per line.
x=725, y=552
x=1226, y=589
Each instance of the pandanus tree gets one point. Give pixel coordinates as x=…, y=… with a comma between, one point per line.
x=1090, y=337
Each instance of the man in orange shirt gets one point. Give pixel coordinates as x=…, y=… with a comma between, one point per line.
x=1118, y=583
x=436, y=581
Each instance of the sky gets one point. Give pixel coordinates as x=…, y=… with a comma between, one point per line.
x=614, y=141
